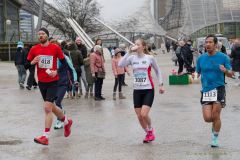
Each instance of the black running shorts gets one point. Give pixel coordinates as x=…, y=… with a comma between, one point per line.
x=143, y=97
x=221, y=97
x=49, y=90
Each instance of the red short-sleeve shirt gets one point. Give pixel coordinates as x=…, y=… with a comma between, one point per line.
x=48, y=60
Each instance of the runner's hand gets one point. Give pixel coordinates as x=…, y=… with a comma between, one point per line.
x=134, y=48
x=75, y=84
x=161, y=90
x=53, y=73
x=222, y=68
x=35, y=60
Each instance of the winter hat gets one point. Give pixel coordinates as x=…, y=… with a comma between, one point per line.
x=44, y=30
x=20, y=44
x=122, y=46
x=117, y=50
x=98, y=48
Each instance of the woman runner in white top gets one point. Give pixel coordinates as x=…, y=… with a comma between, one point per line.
x=143, y=93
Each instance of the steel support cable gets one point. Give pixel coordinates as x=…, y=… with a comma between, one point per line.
x=79, y=33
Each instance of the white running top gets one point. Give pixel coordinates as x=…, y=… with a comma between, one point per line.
x=142, y=70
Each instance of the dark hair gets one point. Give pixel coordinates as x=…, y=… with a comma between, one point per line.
x=215, y=40
x=63, y=44
x=98, y=40
x=149, y=48
x=50, y=38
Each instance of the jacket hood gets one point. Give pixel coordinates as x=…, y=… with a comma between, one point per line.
x=71, y=47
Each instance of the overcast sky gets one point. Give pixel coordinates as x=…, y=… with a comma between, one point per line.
x=114, y=9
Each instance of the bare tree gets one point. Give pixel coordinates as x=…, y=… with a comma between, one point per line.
x=83, y=12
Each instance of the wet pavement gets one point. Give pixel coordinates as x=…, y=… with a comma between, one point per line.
x=109, y=130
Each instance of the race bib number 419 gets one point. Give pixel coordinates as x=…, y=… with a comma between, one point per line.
x=210, y=96
x=46, y=62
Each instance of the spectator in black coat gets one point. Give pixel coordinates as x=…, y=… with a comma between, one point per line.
x=20, y=59
x=235, y=55
x=31, y=81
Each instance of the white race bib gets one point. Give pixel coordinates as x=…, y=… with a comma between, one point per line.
x=46, y=62
x=210, y=96
x=140, y=79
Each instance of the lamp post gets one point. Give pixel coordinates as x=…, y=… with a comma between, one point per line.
x=8, y=23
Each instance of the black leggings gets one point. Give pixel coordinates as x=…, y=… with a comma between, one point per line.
x=118, y=83
x=180, y=65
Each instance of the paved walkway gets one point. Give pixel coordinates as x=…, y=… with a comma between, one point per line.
x=109, y=130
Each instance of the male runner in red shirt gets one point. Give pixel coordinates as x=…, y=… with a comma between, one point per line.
x=45, y=55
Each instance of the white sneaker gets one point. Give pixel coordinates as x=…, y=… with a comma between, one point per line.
x=21, y=85
x=58, y=125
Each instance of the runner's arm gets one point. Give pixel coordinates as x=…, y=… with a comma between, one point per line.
x=64, y=64
x=71, y=68
x=198, y=68
x=125, y=61
x=30, y=57
x=227, y=65
x=27, y=64
x=157, y=71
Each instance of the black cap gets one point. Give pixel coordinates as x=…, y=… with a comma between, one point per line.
x=44, y=30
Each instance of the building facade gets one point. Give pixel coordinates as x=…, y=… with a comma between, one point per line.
x=198, y=18
x=26, y=26
x=9, y=30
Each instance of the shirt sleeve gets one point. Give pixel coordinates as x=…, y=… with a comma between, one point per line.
x=227, y=63
x=60, y=54
x=125, y=61
x=72, y=68
x=114, y=67
x=198, y=68
x=92, y=63
x=31, y=55
x=157, y=71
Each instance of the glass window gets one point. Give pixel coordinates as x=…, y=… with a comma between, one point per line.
x=212, y=29
x=13, y=31
x=1, y=24
x=230, y=29
x=238, y=30
x=12, y=12
x=236, y=14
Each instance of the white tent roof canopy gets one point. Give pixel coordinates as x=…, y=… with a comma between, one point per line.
x=140, y=21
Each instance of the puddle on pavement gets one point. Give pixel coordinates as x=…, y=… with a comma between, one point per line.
x=236, y=108
x=10, y=142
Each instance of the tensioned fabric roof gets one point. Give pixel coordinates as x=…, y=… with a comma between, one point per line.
x=140, y=21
